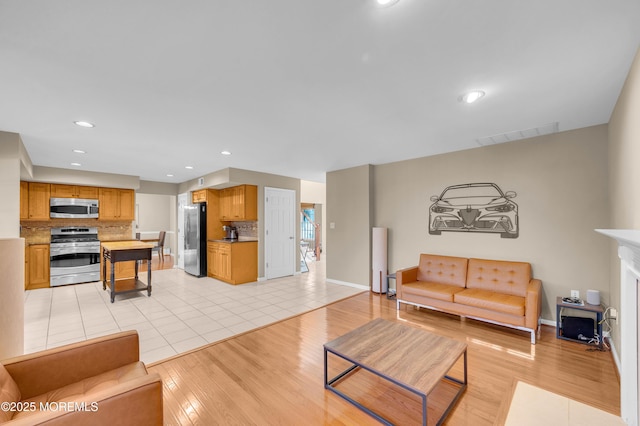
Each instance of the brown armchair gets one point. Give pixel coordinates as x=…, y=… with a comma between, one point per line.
x=100, y=381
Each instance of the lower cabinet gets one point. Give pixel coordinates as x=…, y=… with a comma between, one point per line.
x=234, y=263
x=38, y=266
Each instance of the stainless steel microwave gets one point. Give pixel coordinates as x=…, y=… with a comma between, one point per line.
x=73, y=208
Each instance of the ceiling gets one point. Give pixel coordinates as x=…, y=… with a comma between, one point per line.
x=298, y=87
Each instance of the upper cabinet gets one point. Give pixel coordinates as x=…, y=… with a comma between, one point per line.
x=73, y=191
x=199, y=196
x=116, y=204
x=24, y=200
x=239, y=203
x=38, y=200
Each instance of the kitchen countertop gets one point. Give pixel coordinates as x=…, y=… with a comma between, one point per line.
x=126, y=245
x=241, y=240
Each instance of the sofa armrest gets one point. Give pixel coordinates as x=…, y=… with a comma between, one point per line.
x=533, y=304
x=51, y=369
x=134, y=402
x=407, y=275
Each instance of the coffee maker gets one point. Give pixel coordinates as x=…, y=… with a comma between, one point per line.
x=231, y=232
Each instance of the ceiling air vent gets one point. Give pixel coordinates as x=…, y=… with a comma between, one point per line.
x=547, y=129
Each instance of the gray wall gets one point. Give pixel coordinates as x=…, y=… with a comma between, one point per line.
x=561, y=181
x=349, y=212
x=155, y=213
x=624, y=180
x=10, y=149
x=11, y=297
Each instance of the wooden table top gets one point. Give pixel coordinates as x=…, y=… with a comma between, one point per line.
x=126, y=245
x=404, y=354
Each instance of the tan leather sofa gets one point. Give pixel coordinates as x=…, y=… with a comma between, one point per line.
x=96, y=382
x=495, y=291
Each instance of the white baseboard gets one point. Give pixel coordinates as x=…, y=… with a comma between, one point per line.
x=614, y=352
x=548, y=322
x=348, y=284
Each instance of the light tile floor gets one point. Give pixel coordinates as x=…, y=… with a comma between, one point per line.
x=532, y=406
x=183, y=312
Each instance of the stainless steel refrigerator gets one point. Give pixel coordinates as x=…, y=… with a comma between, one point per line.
x=195, y=239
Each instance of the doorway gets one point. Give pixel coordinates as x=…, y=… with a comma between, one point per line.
x=280, y=232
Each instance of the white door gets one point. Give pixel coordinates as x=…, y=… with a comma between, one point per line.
x=280, y=232
x=183, y=200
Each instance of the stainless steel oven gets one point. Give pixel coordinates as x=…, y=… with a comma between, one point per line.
x=75, y=255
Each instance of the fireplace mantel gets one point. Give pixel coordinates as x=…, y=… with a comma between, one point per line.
x=629, y=253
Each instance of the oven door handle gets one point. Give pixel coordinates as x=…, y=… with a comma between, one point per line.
x=57, y=251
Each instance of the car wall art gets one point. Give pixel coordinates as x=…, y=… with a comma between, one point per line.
x=474, y=207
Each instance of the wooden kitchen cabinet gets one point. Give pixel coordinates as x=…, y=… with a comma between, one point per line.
x=39, y=273
x=26, y=267
x=234, y=263
x=116, y=204
x=24, y=200
x=219, y=261
x=225, y=204
x=199, y=196
x=39, y=194
x=239, y=203
x=74, y=191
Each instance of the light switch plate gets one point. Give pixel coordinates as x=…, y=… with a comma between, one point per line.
x=575, y=293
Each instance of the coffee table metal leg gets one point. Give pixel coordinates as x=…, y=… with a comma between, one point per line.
x=463, y=387
x=328, y=384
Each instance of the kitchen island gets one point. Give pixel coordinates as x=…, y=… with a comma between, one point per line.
x=123, y=251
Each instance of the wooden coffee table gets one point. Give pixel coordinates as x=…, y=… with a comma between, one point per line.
x=413, y=359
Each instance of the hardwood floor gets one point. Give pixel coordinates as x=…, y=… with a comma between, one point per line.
x=275, y=375
x=157, y=265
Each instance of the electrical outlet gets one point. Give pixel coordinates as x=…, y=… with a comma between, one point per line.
x=575, y=293
x=613, y=314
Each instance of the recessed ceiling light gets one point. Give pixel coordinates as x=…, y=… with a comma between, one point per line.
x=79, y=151
x=169, y=175
x=84, y=124
x=76, y=164
x=226, y=152
x=471, y=97
x=188, y=167
x=386, y=3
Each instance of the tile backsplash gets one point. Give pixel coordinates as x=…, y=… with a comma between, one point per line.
x=39, y=232
x=246, y=229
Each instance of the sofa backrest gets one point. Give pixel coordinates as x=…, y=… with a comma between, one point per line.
x=443, y=269
x=9, y=393
x=499, y=275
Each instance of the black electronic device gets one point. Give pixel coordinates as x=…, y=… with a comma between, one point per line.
x=578, y=328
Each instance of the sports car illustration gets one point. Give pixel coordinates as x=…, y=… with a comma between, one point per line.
x=474, y=207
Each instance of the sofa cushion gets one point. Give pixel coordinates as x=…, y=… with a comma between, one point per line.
x=491, y=300
x=442, y=269
x=81, y=391
x=434, y=290
x=499, y=276
x=9, y=392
